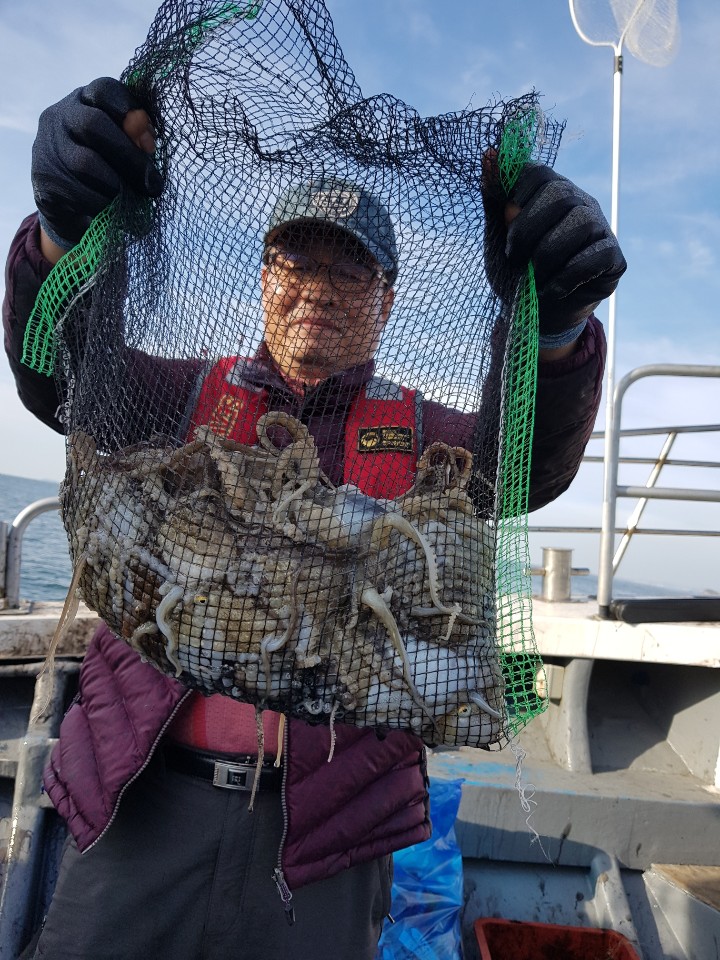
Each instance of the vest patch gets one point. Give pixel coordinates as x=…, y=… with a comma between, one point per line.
x=385, y=440
x=225, y=415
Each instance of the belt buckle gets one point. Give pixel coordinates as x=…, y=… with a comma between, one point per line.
x=231, y=776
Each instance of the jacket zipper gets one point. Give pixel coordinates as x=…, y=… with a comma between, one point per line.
x=278, y=875
x=132, y=780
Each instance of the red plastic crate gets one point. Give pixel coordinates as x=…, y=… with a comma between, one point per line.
x=515, y=940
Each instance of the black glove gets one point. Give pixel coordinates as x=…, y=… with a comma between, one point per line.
x=576, y=257
x=82, y=159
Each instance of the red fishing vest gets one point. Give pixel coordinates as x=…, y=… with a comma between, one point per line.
x=382, y=444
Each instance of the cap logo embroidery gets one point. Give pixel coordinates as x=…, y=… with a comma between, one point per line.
x=336, y=203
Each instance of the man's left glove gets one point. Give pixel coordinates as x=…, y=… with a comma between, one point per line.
x=575, y=255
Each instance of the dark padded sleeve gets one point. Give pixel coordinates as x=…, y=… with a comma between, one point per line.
x=567, y=401
x=164, y=385
x=25, y=271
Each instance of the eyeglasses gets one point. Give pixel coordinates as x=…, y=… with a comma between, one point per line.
x=346, y=276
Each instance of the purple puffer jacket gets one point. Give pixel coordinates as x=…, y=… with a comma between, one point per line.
x=371, y=800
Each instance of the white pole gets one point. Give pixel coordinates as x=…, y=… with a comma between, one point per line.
x=612, y=436
x=610, y=454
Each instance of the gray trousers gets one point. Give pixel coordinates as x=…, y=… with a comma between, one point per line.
x=185, y=872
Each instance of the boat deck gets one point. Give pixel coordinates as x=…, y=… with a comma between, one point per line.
x=624, y=768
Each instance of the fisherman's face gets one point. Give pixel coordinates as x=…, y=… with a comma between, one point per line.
x=325, y=303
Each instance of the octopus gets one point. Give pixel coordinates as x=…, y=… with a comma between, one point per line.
x=243, y=570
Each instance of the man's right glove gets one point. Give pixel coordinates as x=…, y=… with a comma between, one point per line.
x=82, y=159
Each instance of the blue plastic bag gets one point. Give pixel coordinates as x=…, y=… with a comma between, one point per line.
x=428, y=888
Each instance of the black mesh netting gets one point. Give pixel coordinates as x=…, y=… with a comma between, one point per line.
x=251, y=504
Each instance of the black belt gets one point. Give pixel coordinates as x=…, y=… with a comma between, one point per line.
x=229, y=772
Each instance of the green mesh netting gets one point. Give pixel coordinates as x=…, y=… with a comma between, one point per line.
x=252, y=503
x=66, y=281
x=519, y=657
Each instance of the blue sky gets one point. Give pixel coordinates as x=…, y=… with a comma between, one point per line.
x=443, y=57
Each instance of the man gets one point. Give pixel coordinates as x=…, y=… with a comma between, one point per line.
x=151, y=778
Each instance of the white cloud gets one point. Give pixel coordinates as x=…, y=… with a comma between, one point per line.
x=690, y=255
x=420, y=25
x=701, y=258
x=17, y=122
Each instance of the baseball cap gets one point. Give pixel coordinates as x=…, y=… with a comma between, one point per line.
x=346, y=206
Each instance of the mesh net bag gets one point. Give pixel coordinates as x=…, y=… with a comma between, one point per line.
x=253, y=502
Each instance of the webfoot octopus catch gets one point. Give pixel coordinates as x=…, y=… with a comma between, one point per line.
x=243, y=570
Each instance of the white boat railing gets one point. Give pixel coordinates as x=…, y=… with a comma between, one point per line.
x=11, y=542
x=612, y=490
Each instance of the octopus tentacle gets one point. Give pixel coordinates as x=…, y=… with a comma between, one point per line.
x=280, y=741
x=166, y=605
x=297, y=430
x=483, y=705
x=459, y=617
x=143, y=630
x=372, y=599
x=299, y=458
x=276, y=418
x=280, y=509
x=333, y=735
x=260, y=757
x=451, y=623
x=272, y=643
x=400, y=523
x=67, y=618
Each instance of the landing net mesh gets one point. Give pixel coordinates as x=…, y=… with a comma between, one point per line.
x=251, y=502
x=648, y=29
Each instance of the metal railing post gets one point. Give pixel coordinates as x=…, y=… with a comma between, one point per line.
x=607, y=535
x=611, y=490
x=557, y=572
x=14, y=546
x=23, y=858
x=4, y=526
